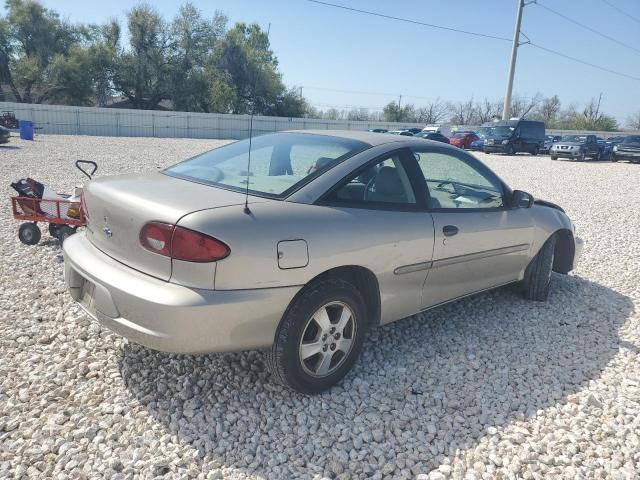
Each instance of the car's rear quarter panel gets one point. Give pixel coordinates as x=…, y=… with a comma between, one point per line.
x=380, y=241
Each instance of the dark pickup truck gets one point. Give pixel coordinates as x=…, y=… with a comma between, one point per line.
x=628, y=149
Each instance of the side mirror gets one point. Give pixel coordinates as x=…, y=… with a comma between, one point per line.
x=521, y=199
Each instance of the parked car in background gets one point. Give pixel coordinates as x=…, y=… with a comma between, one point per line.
x=513, y=136
x=617, y=139
x=441, y=129
x=606, y=148
x=5, y=134
x=378, y=130
x=406, y=133
x=463, y=139
x=629, y=149
x=435, y=136
x=548, y=141
x=576, y=147
x=414, y=130
x=478, y=145
x=337, y=233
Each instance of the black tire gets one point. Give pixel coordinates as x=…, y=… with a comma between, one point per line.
x=54, y=230
x=581, y=158
x=537, y=276
x=510, y=150
x=534, y=152
x=29, y=233
x=554, y=158
x=596, y=157
x=613, y=158
x=64, y=232
x=284, y=357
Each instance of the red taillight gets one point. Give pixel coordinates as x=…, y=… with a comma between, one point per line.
x=156, y=236
x=182, y=243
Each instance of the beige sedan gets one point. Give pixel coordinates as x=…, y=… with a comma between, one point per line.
x=304, y=245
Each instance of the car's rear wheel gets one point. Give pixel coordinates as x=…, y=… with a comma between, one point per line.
x=320, y=337
x=537, y=276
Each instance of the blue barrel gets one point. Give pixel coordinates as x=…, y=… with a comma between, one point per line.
x=26, y=129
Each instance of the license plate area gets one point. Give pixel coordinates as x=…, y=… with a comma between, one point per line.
x=88, y=297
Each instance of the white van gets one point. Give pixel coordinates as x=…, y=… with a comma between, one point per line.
x=441, y=129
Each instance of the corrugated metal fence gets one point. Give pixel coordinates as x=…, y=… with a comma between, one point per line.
x=114, y=122
x=55, y=119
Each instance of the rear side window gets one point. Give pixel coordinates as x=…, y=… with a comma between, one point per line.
x=385, y=183
x=280, y=162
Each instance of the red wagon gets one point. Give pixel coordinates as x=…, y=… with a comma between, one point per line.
x=63, y=213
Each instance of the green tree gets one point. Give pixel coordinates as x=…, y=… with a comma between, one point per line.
x=406, y=113
x=142, y=73
x=193, y=40
x=42, y=57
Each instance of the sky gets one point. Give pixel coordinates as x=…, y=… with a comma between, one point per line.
x=323, y=49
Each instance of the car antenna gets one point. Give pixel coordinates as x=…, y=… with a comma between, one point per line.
x=253, y=108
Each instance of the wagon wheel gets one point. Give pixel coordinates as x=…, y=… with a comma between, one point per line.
x=29, y=233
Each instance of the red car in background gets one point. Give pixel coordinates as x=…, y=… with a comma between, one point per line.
x=463, y=139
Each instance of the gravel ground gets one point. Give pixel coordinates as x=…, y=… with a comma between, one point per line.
x=488, y=387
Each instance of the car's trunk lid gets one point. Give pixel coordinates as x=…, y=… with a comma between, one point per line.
x=117, y=207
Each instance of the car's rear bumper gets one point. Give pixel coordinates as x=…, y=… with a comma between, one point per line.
x=166, y=316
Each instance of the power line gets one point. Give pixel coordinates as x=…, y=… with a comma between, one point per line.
x=622, y=11
x=415, y=22
x=604, y=69
x=548, y=50
x=586, y=27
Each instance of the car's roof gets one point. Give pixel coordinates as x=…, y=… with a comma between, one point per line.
x=371, y=138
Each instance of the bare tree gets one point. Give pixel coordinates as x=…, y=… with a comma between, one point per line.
x=591, y=111
x=463, y=112
x=432, y=112
x=549, y=109
x=634, y=121
x=521, y=106
x=487, y=111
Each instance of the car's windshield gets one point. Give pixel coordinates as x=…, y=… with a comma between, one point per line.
x=483, y=132
x=574, y=138
x=499, y=131
x=279, y=162
x=632, y=139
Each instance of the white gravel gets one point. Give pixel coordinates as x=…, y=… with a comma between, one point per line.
x=488, y=387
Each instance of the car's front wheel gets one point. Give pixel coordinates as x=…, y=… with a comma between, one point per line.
x=320, y=336
x=537, y=276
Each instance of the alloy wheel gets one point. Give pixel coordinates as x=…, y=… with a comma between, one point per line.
x=327, y=339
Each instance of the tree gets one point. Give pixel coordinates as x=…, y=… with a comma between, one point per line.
x=633, y=121
x=41, y=57
x=193, y=40
x=487, y=111
x=433, y=112
x=103, y=57
x=142, y=73
x=463, y=112
x=406, y=113
x=548, y=109
x=522, y=106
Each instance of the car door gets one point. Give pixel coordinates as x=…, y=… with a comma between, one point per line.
x=480, y=242
x=386, y=229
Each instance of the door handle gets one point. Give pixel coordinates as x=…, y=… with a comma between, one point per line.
x=449, y=230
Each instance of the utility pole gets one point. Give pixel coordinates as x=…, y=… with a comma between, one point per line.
x=506, y=109
x=399, y=103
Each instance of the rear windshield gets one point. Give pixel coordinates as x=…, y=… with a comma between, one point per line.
x=280, y=162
